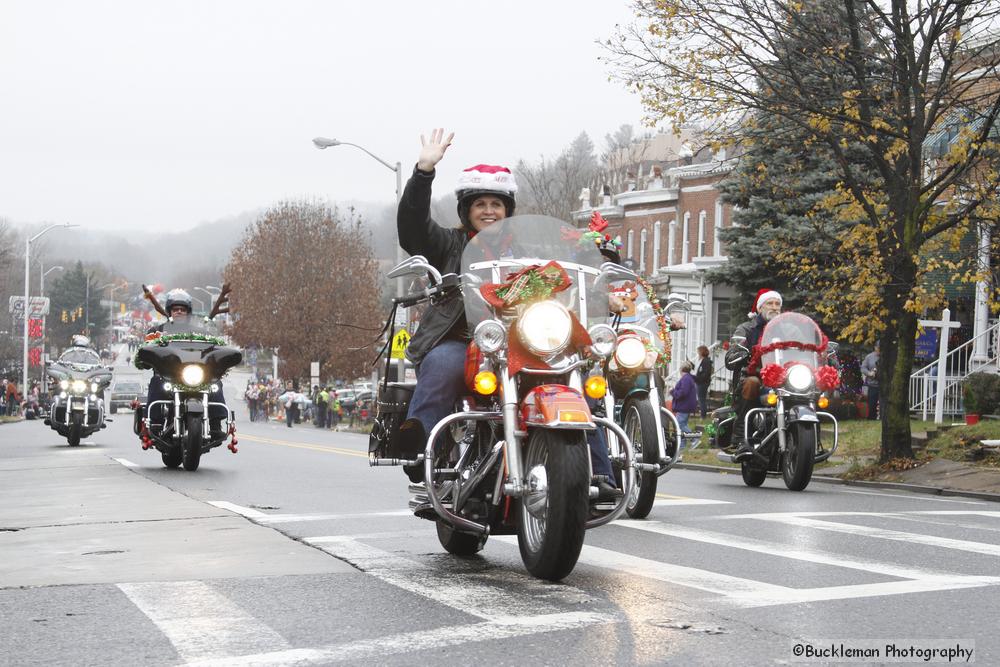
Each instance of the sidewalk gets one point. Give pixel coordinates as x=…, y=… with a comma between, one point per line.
x=73, y=516
x=940, y=477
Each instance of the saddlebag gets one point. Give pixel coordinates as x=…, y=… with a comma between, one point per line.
x=392, y=406
x=723, y=420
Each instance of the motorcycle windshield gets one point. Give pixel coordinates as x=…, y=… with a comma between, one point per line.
x=79, y=359
x=511, y=245
x=792, y=328
x=638, y=316
x=197, y=327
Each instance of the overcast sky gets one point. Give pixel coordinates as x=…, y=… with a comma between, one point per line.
x=133, y=114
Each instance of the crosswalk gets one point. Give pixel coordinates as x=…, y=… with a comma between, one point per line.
x=505, y=602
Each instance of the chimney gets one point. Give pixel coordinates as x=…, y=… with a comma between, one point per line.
x=606, y=197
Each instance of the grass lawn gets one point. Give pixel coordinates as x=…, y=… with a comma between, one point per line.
x=860, y=441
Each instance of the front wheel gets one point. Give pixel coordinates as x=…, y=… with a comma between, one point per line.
x=191, y=442
x=459, y=543
x=73, y=438
x=799, y=457
x=553, y=510
x=639, y=424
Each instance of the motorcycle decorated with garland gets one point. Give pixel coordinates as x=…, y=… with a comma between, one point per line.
x=792, y=360
x=192, y=358
x=513, y=458
x=77, y=408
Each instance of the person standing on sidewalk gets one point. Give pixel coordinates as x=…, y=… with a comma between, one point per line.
x=684, y=395
x=703, y=378
x=869, y=372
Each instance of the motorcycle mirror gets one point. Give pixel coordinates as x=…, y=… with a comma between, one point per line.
x=612, y=271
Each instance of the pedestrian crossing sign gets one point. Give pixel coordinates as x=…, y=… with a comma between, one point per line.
x=399, y=343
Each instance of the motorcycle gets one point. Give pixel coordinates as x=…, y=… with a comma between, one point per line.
x=77, y=411
x=192, y=359
x=792, y=359
x=513, y=458
x=635, y=387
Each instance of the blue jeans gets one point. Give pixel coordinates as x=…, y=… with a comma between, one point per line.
x=441, y=382
x=682, y=421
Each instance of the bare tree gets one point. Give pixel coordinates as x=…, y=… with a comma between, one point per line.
x=305, y=280
x=916, y=72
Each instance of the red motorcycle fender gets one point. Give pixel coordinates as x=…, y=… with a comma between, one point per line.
x=555, y=406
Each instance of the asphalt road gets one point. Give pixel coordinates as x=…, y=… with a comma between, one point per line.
x=294, y=551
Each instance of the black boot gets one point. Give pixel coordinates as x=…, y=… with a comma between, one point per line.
x=215, y=430
x=743, y=448
x=409, y=443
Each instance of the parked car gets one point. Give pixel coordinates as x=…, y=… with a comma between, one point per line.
x=123, y=393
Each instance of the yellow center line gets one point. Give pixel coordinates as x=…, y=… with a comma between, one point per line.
x=303, y=445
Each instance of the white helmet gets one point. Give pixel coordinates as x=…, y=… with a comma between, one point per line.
x=484, y=179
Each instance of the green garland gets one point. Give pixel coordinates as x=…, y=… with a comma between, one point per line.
x=164, y=340
x=530, y=286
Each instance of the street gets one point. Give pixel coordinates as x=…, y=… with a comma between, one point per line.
x=294, y=551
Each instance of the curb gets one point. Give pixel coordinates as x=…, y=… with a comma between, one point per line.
x=826, y=479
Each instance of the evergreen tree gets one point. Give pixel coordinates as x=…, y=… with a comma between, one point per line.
x=68, y=294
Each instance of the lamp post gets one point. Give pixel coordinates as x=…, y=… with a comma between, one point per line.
x=323, y=142
x=111, y=312
x=27, y=285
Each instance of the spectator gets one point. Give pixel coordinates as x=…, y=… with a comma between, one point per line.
x=869, y=373
x=322, y=399
x=703, y=378
x=336, y=410
x=13, y=398
x=685, y=399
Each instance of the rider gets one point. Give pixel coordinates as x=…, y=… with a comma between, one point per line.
x=179, y=307
x=746, y=388
x=485, y=195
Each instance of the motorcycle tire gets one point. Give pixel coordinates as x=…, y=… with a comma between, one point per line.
x=191, y=442
x=73, y=437
x=551, y=523
x=458, y=543
x=753, y=477
x=799, y=457
x=173, y=458
x=639, y=424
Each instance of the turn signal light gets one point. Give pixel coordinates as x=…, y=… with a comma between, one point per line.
x=772, y=398
x=823, y=402
x=573, y=416
x=486, y=382
x=596, y=386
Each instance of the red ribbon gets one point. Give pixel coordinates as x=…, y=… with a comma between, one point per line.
x=759, y=351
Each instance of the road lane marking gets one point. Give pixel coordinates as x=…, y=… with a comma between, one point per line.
x=201, y=623
x=370, y=650
x=781, y=550
x=127, y=463
x=667, y=500
x=263, y=517
x=879, y=533
x=303, y=445
x=910, y=496
x=486, y=596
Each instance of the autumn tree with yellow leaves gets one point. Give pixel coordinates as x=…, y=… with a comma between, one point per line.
x=916, y=71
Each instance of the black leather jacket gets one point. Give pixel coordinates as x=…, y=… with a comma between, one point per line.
x=742, y=342
x=420, y=235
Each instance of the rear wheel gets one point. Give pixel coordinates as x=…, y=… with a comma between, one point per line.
x=753, y=476
x=553, y=511
x=191, y=442
x=799, y=457
x=639, y=425
x=457, y=542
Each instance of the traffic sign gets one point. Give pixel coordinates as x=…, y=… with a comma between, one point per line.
x=399, y=343
x=39, y=306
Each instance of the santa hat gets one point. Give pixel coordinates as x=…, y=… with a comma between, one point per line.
x=483, y=178
x=765, y=294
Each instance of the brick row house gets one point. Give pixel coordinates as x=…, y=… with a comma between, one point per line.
x=668, y=217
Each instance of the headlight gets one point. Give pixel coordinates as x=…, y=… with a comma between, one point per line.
x=79, y=386
x=192, y=375
x=490, y=336
x=602, y=340
x=630, y=353
x=64, y=384
x=94, y=387
x=545, y=328
x=800, y=378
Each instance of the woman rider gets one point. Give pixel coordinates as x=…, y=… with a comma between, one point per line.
x=485, y=195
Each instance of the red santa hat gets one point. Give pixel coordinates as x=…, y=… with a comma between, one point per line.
x=764, y=294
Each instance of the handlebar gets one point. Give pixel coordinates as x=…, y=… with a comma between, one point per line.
x=447, y=283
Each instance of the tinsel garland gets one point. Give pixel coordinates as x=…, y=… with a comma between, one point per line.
x=663, y=356
x=163, y=340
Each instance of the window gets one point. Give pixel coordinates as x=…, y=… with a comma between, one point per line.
x=686, y=244
x=701, y=234
x=724, y=326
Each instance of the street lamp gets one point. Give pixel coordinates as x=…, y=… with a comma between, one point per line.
x=27, y=285
x=323, y=142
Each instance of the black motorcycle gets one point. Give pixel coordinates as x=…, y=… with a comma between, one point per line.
x=191, y=358
x=796, y=366
x=77, y=410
